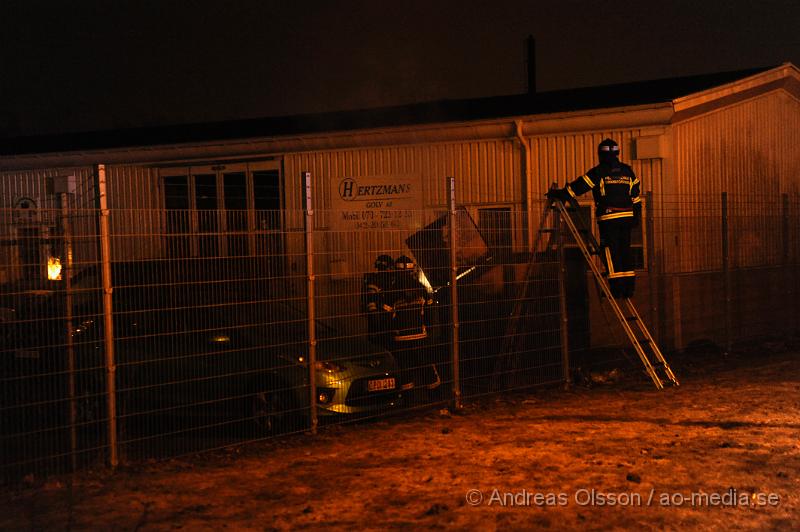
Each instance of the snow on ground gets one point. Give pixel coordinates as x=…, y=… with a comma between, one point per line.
x=722, y=451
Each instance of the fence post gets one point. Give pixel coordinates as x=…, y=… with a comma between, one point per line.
x=726, y=272
x=793, y=266
x=788, y=292
x=312, y=324
x=108, y=321
x=66, y=274
x=562, y=302
x=457, y=403
x=784, y=228
x=648, y=233
x=792, y=261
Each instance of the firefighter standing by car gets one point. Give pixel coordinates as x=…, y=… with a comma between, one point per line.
x=375, y=288
x=618, y=210
x=406, y=303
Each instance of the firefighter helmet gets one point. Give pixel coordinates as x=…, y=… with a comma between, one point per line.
x=383, y=262
x=404, y=263
x=608, y=151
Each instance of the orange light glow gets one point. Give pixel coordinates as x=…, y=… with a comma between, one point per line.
x=54, y=269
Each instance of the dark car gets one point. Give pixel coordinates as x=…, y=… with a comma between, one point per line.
x=246, y=358
x=186, y=347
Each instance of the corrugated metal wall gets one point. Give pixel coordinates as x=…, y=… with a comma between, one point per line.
x=137, y=206
x=486, y=172
x=134, y=199
x=564, y=157
x=748, y=150
x=738, y=149
x=34, y=184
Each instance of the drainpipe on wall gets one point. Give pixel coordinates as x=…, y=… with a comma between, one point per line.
x=526, y=169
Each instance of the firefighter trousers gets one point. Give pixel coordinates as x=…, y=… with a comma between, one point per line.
x=615, y=244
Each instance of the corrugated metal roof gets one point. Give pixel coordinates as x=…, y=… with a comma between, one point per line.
x=618, y=95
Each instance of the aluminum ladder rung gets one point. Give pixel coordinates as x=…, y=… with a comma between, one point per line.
x=656, y=351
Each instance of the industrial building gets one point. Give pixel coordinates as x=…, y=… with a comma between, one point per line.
x=689, y=140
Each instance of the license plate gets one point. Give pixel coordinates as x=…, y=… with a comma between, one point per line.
x=381, y=384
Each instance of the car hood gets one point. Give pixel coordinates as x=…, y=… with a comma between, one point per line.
x=351, y=349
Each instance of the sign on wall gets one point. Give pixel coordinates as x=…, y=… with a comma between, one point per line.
x=376, y=202
x=25, y=211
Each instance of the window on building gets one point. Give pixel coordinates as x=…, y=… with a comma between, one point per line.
x=495, y=227
x=223, y=210
x=236, y=212
x=205, y=196
x=267, y=199
x=176, y=203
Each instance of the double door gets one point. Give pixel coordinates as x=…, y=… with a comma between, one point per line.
x=223, y=210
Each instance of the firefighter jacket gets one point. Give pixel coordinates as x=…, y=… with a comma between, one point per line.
x=406, y=304
x=377, y=285
x=374, y=290
x=615, y=189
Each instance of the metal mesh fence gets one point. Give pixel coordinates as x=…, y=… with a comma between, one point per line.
x=206, y=333
x=51, y=413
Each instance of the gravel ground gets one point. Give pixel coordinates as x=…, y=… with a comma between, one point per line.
x=616, y=455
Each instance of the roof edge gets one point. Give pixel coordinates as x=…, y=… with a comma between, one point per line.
x=701, y=98
x=444, y=132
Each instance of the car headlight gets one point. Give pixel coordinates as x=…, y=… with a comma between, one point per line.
x=325, y=395
x=330, y=367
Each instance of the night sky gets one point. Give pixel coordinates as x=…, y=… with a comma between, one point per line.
x=80, y=65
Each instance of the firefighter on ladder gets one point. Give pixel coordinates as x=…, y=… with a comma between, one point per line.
x=618, y=210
